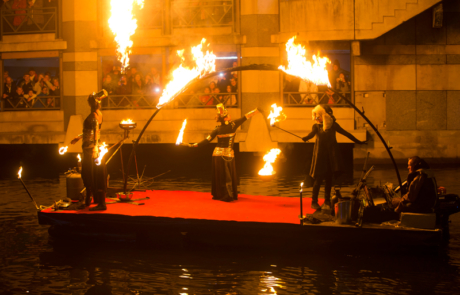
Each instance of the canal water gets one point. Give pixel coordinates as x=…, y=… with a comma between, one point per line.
x=31, y=262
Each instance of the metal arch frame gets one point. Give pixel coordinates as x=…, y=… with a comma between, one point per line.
x=254, y=67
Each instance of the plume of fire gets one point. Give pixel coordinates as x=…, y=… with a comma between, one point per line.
x=128, y=121
x=269, y=159
x=123, y=26
x=102, y=151
x=299, y=66
x=181, y=133
x=63, y=150
x=19, y=172
x=205, y=63
x=276, y=115
x=79, y=158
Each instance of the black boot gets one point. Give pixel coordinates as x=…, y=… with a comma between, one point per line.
x=315, y=193
x=89, y=196
x=81, y=202
x=101, y=202
x=326, y=207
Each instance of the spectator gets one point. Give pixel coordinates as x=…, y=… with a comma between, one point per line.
x=222, y=83
x=212, y=86
x=207, y=98
x=41, y=98
x=41, y=76
x=149, y=86
x=9, y=89
x=30, y=98
x=6, y=74
x=230, y=99
x=115, y=73
x=138, y=85
x=16, y=6
x=108, y=84
x=123, y=87
x=18, y=98
x=53, y=85
x=308, y=88
x=50, y=102
x=26, y=84
x=234, y=74
x=33, y=75
x=156, y=78
x=234, y=85
x=342, y=85
x=217, y=96
x=334, y=74
x=330, y=97
x=36, y=17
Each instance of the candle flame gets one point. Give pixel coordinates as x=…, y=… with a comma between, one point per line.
x=181, y=133
x=299, y=66
x=128, y=121
x=63, y=150
x=20, y=172
x=79, y=158
x=276, y=115
x=205, y=63
x=102, y=151
x=123, y=26
x=269, y=159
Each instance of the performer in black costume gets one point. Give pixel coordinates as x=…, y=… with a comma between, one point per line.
x=327, y=159
x=94, y=176
x=224, y=178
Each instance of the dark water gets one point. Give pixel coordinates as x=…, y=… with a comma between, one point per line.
x=33, y=263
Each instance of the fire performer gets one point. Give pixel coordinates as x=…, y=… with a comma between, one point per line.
x=94, y=176
x=326, y=161
x=224, y=178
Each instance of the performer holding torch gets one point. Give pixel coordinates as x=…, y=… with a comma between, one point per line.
x=224, y=178
x=93, y=175
x=326, y=162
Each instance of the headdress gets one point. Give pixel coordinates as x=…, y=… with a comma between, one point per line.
x=324, y=112
x=223, y=116
x=99, y=96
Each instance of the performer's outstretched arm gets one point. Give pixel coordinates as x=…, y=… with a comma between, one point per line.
x=204, y=141
x=347, y=134
x=241, y=120
x=312, y=134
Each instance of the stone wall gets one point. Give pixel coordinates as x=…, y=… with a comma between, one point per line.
x=408, y=82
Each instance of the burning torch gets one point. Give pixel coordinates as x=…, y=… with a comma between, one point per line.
x=25, y=187
x=276, y=115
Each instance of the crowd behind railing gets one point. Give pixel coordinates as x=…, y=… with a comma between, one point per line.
x=299, y=92
x=28, y=16
x=32, y=91
x=199, y=13
x=134, y=89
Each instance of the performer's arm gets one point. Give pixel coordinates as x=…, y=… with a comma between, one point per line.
x=77, y=138
x=204, y=141
x=347, y=134
x=243, y=119
x=312, y=134
x=95, y=139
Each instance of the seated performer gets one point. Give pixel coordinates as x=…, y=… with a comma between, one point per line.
x=224, y=178
x=422, y=189
x=94, y=176
x=327, y=160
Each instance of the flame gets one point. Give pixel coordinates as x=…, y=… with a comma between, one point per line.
x=63, y=150
x=79, y=158
x=181, y=133
x=19, y=172
x=276, y=115
x=123, y=26
x=102, y=151
x=299, y=66
x=129, y=121
x=269, y=159
x=205, y=63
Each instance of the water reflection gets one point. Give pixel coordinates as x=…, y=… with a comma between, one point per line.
x=33, y=262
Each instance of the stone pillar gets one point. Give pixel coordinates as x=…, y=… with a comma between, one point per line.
x=79, y=68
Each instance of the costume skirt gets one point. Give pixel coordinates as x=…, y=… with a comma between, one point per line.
x=224, y=179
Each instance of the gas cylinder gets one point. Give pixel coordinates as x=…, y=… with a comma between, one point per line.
x=74, y=185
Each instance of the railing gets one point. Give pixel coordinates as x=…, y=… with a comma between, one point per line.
x=35, y=104
x=29, y=21
x=198, y=13
x=314, y=98
x=151, y=16
x=196, y=100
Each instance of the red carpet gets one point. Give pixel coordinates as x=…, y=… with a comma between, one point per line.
x=197, y=205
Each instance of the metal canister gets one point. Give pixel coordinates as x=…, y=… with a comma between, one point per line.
x=343, y=212
x=74, y=185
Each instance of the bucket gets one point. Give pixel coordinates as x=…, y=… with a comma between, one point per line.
x=343, y=212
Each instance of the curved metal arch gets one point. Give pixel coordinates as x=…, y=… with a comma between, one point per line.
x=255, y=67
